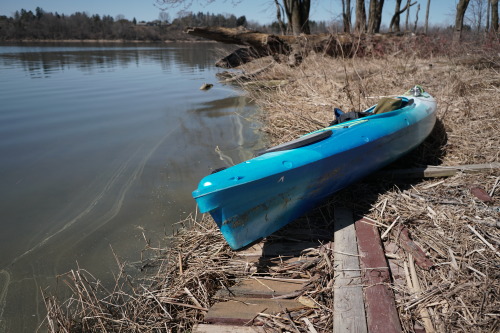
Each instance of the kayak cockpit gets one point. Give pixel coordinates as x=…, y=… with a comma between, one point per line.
x=385, y=105
x=303, y=141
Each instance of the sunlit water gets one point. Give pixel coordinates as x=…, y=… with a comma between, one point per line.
x=98, y=146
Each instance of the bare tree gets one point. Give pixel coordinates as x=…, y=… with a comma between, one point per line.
x=426, y=27
x=164, y=17
x=346, y=15
x=297, y=11
x=394, y=25
x=476, y=12
x=488, y=11
x=395, y=17
x=375, y=15
x=360, y=25
x=494, y=15
x=416, y=19
x=459, y=19
x=279, y=15
x=407, y=21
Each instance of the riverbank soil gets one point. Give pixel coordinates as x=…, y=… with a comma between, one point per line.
x=441, y=236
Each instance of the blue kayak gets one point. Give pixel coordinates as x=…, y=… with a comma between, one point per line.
x=253, y=199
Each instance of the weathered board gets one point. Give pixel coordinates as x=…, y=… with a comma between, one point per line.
x=349, y=309
x=438, y=171
x=207, y=328
x=361, y=278
x=261, y=288
x=381, y=313
x=242, y=310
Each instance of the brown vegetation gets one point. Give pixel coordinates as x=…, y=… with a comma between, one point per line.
x=451, y=219
x=293, y=49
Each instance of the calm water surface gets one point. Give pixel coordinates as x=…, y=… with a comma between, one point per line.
x=98, y=145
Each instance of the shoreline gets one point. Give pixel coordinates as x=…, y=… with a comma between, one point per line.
x=435, y=212
x=106, y=41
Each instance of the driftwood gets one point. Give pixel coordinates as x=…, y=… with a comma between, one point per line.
x=292, y=48
x=431, y=171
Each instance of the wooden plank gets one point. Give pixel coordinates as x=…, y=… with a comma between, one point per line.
x=242, y=310
x=438, y=171
x=307, y=234
x=261, y=288
x=208, y=328
x=277, y=249
x=265, y=261
x=381, y=313
x=252, y=251
x=349, y=308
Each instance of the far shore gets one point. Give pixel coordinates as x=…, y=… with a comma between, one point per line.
x=107, y=41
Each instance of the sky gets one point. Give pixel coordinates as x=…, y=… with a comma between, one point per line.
x=262, y=11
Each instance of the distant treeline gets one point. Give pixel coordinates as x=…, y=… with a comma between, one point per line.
x=42, y=25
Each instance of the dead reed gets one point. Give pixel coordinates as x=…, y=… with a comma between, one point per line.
x=174, y=293
x=456, y=226
x=450, y=219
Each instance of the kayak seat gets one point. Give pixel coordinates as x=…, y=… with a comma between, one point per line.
x=297, y=143
x=341, y=116
x=388, y=104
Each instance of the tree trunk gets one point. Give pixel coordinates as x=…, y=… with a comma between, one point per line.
x=279, y=10
x=416, y=19
x=407, y=22
x=371, y=16
x=346, y=15
x=360, y=16
x=494, y=15
x=375, y=16
x=488, y=11
x=459, y=19
x=297, y=12
x=395, y=19
x=257, y=45
x=426, y=27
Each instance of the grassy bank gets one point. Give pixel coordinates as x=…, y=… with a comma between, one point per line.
x=460, y=293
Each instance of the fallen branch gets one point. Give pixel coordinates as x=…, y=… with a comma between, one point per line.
x=413, y=249
x=295, y=48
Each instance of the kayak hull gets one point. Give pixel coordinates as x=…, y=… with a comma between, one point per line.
x=255, y=198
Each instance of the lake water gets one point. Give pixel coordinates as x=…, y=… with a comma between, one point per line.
x=100, y=144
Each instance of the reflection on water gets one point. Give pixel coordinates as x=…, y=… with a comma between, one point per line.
x=98, y=145
x=42, y=61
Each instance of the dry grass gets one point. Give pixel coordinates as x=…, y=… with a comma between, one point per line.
x=459, y=232
x=175, y=293
x=466, y=96
x=462, y=291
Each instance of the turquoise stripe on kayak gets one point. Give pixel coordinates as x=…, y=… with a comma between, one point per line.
x=342, y=125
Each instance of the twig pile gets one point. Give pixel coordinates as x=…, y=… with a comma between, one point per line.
x=186, y=276
x=314, y=266
x=460, y=235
